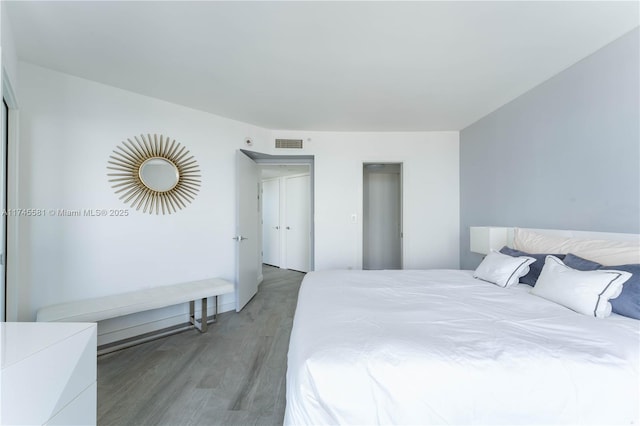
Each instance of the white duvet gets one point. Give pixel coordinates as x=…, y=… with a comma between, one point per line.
x=440, y=347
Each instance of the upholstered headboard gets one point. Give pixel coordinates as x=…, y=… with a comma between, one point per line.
x=583, y=235
x=606, y=248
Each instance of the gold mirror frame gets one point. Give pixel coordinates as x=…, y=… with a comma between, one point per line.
x=126, y=161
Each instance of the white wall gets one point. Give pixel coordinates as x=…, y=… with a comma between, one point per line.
x=69, y=127
x=430, y=193
x=9, y=57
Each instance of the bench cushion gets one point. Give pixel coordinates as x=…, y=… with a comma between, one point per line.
x=101, y=308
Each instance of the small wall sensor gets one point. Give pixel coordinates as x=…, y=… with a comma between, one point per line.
x=248, y=142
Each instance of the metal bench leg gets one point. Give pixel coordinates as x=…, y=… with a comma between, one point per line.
x=192, y=315
x=201, y=324
x=203, y=316
x=215, y=308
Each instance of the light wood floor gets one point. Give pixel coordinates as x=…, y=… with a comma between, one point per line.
x=232, y=375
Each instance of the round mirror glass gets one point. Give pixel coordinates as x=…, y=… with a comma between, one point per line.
x=159, y=174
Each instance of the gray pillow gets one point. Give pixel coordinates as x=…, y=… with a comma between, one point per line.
x=579, y=263
x=628, y=303
x=535, y=268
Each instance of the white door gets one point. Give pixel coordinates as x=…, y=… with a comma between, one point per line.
x=297, y=219
x=271, y=222
x=247, y=217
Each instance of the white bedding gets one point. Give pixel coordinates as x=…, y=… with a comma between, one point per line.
x=440, y=347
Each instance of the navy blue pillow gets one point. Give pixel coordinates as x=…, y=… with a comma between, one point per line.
x=535, y=268
x=628, y=303
x=579, y=263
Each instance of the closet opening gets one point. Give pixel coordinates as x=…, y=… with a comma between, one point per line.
x=382, y=216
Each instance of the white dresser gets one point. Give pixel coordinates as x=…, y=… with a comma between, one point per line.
x=48, y=374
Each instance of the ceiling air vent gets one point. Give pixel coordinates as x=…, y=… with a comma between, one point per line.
x=289, y=143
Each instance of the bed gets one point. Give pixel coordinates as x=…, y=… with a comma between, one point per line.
x=443, y=347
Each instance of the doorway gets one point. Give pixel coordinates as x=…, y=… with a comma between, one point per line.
x=248, y=235
x=286, y=216
x=382, y=216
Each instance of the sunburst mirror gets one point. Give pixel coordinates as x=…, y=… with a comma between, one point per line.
x=155, y=174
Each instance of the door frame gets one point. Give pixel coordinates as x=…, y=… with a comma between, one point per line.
x=12, y=271
x=293, y=160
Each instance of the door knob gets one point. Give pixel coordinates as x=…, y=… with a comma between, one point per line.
x=288, y=228
x=277, y=227
x=239, y=238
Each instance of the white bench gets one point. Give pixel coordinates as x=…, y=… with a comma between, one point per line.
x=102, y=308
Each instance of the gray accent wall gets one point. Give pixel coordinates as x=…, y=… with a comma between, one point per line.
x=565, y=155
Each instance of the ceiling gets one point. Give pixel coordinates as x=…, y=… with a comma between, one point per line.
x=339, y=66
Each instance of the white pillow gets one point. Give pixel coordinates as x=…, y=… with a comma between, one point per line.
x=604, y=252
x=503, y=270
x=586, y=292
